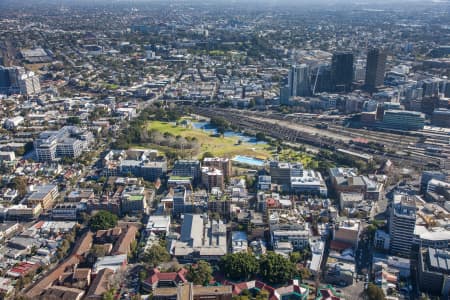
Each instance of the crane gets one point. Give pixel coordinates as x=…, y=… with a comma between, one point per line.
x=315, y=81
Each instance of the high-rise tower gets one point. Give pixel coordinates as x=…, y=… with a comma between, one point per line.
x=376, y=62
x=402, y=223
x=299, y=81
x=342, y=71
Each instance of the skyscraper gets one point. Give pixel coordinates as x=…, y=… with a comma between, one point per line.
x=321, y=79
x=15, y=73
x=402, y=223
x=299, y=81
x=285, y=93
x=18, y=80
x=29, y=84
x=5, y=83
x=342, y=71
x=359, y=71
x=376, y=62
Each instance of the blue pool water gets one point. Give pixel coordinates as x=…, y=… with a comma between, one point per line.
x=206, y=126
x=248, y=160
x=239, y=236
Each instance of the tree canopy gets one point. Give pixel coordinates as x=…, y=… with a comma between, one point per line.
x=156, y=255
x=74, y=120
x=221, y=124
x=374, y=292
x=20, y=184
x=207, y=154
x=103, y=220
x=199, y=274
x=260, y=136
x=241, y=265
x=275, y=268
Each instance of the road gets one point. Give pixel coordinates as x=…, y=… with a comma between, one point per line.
x=363, y=254
x=131, y=284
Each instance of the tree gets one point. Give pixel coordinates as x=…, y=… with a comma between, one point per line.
x=241, y=265
x=262, y=295
x=260, y=136
x=374, y=292
x=200, y=274
x=73, y=120
x=143, y=274
x=221, y=124
x=241, y=298
x=214, y=216
x=250, y=182
x=103, y=220
x=20, y=151
x=295, y=257
x=304, y=273
x=98, y=251
x=156, y=255
x=275, y=268
x=109, y=295
x=221, y=131
x=371, y=229
x=207, y=154
x=63, y=248
x=279, y=149
x=20, y=184
x=133, y=247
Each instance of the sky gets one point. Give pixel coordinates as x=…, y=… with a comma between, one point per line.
x=247, y=3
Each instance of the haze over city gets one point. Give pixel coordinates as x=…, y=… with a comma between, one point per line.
x=224, y=150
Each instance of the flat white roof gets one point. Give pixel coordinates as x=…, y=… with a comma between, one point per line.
x=160, y=222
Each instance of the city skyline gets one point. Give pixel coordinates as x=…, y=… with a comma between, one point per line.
x=224, y=150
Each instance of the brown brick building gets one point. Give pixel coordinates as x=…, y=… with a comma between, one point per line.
x=191, y=292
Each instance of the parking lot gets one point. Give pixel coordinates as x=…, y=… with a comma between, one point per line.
x=132, y=283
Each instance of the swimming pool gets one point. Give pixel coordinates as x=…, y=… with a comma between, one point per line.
x=248, y=160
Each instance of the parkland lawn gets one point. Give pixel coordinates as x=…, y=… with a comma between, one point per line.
x=218, y=146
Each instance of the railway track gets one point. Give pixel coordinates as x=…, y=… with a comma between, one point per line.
x=321, y=138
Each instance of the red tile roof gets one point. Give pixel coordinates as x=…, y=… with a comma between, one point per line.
x=22, y=269
x=100, y=284
x=82, y=246
x=239, y=287
x=122, y=246
x=156, y=276
x=61, y=293
x=39, y=224
x=328, y=295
